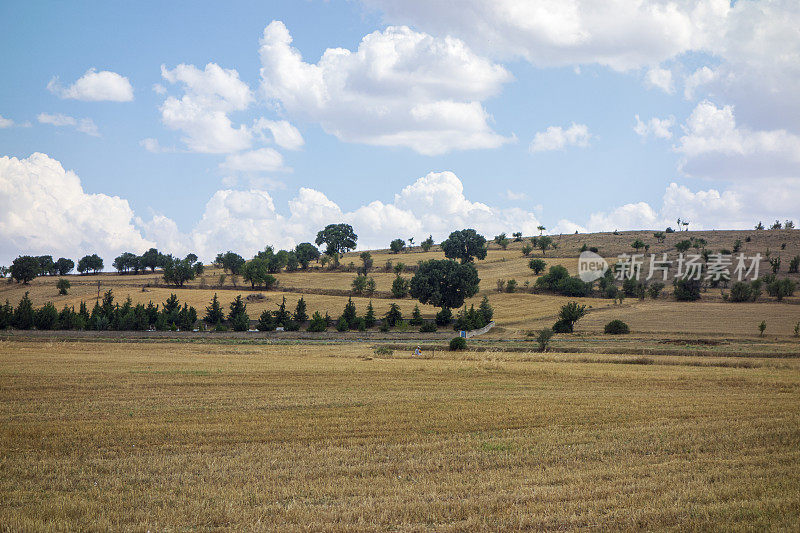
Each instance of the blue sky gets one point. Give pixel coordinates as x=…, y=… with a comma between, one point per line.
x=499, y=116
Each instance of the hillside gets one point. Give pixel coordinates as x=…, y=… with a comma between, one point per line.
x=327, y=291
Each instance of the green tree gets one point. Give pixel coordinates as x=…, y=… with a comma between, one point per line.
x=544, y=243
x=338, y=239
x=24, y=314
x=369, y=317
x=25, y=268
x=397, y=246
x=537, y=265
x=179, y=271
x=238, y=314
x=359, y=284
x=366, y=261
x=683, y=245
x=444, y=283
x=400, y=287
x=214, y=314
x=465, y=245
x=318, y=323
x=306, y=252
x=300, y=314
x=46, y=265
x=638, y=245
x=502, y=240
x=427, y=244
x=90, y=262
x=64, y=266
x=393, y=316
x=266, y=322
x=230, y=262
x=416, y=317
x=63, y=286
x=568, y=316
x=761, y=328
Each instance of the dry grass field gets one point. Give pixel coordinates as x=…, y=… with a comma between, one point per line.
x=177, y=436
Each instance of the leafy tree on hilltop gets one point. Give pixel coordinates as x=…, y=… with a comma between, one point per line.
x=338, y=238
x=25, y=268
x=465, y=245
x=444, y=283
x=397, y=246
x=306, y=252
x=47, y=266
x=427, y=244
x=64, y=266
x=90, y=262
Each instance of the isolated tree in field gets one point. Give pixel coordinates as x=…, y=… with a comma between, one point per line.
x=427, y=244
x=638, y=245
x=789, y=224
x=537, y=265
x=411, y=241
x=444, y=283
x=24, y=269
x=761, y=328
x=214, y=313
x=543, y=339
x=64, y=266
x=759, y=226
x=794, y=264
x=544, y=243
x=465, y=245
x=125, y=262
x=359, y=284
x=541, y=229
x=568, y=316
x=400, y=287
x=660, y=236
x=306, y=252
x=63, y=286
x=526, y=250
x=517, y=236
x=338, y=239
x=397, y=246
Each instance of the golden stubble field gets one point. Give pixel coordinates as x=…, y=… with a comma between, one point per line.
x=175, y=436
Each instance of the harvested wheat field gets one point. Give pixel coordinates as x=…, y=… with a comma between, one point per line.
x=192, y=436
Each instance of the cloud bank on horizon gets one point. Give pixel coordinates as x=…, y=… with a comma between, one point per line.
x=424, y=84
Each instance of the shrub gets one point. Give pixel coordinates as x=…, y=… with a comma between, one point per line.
x=742, y=291
x=341, y=324
x=780, y=288
x=551, y=280
x=416, y=317
x=794, y=264
x=46, y=317
x=573, y=287
x=241, y=322
x=761, y=328
x=397, y=246
x=687, y=290
x=527, y=249
x=359, y=284
x=318, y=323
x=616, y=327
x=654, y=289
x=511, y=285
x=458, y=343
x=428, y=327
x=543, y=338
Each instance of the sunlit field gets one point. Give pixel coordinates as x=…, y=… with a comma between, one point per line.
x=176, y=436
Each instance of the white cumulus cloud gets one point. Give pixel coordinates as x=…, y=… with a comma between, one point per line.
x=5, y=122
x=261, y=160
x=44, y=210
x=661, y=78
x=202, y=112
x=660, y=128
x=95, y=87
x=714, y=146
x=399, y=88
x=558, y=138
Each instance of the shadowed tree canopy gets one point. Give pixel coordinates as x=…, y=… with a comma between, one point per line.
x=465, y=245
x=444, y=283
x=306, y=252
x=338, y=238
x=25, y=268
